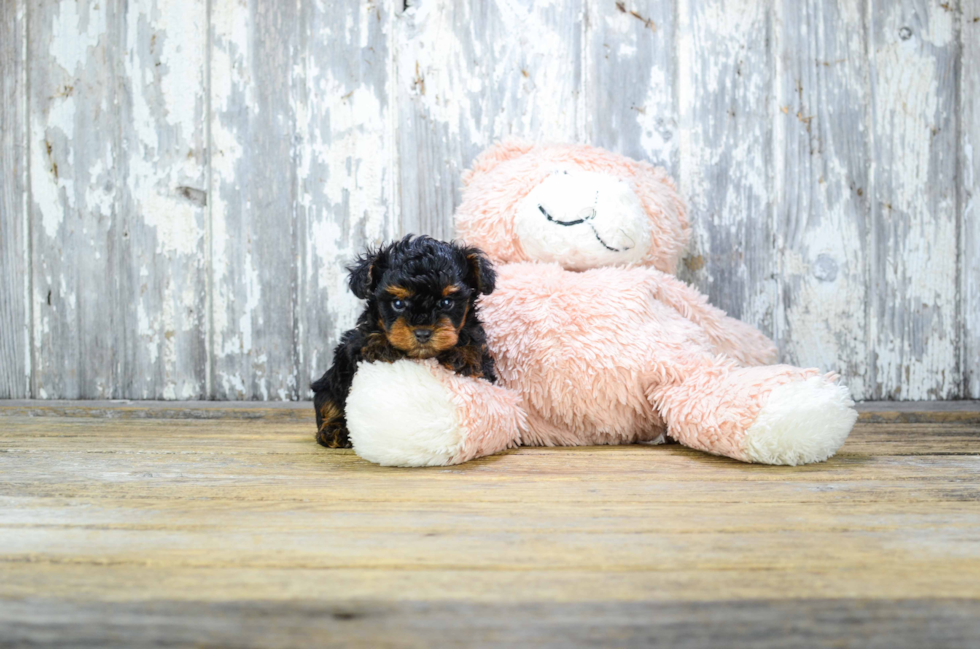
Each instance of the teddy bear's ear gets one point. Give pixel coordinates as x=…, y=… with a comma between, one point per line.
x=502, y=151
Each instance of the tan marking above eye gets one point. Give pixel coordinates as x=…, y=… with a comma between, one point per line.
x=400, y=292
x=449, y=290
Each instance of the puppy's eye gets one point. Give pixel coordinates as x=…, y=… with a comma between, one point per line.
x=398, y=305
x=446, y=303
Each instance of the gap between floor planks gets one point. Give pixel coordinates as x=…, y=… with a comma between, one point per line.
x=869, y=411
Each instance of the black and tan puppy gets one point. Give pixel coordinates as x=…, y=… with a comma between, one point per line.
x=420, y=296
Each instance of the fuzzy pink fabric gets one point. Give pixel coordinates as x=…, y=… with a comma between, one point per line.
x=491, y=415
x=585, y=349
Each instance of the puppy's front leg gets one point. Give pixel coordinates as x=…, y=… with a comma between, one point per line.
x=331, y=424
x=470, y=360
x=330, y=392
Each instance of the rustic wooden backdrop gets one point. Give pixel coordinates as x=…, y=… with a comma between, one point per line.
x=181, y=181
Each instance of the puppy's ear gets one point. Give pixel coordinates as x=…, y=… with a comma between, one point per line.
x=481, y=275
x=366, y=272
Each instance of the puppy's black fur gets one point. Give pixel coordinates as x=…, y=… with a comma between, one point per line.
x=420, y=296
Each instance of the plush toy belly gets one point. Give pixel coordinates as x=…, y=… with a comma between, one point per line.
x=582, y=349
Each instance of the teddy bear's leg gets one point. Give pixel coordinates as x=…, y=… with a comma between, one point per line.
x=775, y=414
x=734, y=338
x=417, y=413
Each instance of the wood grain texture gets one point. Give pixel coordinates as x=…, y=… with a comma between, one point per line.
x=913, y=261
x=630, y=80
x=15, y=312
x=118, y=522
x=969, y=195
x=821, y=193
x=724, y=93
x=470, y=73
x=117, y=185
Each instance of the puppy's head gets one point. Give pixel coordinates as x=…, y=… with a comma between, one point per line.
x=421, y=291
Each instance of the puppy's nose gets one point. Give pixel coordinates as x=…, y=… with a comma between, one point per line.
x=423, y=335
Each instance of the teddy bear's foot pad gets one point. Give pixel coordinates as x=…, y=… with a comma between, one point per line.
x=802, y=422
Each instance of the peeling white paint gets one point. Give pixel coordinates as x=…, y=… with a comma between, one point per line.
x=181, y=56
x=51, y=194
x=147, y=332
x=352, y=121
x=656, y=147
x=328, y=256
x=176, y=222
x=74, y=34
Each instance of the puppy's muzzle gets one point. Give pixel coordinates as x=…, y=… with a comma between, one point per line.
x=423, y=335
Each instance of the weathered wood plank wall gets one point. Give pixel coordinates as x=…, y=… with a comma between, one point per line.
x=184, y=180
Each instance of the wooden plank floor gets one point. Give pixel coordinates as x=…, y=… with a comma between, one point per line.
x=119, y=527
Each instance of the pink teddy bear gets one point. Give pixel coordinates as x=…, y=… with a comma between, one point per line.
x=595, y=341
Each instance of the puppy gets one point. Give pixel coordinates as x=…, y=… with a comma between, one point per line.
x=420, y=296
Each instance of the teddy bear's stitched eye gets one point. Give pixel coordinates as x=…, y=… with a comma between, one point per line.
x=445, y=303
x=398, y=305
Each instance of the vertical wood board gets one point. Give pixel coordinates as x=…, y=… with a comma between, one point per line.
x=162, y=207
x=72, y=120
x=630, y=79
x=15, y=348
x=254, y=192
x=821, y=190
x=969, y=203
x=913, y=274
x=724, y=92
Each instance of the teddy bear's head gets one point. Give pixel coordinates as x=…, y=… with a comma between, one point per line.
x=575, y=205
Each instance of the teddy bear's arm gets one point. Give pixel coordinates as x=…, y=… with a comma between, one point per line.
x=418, y=413
x=729, y=336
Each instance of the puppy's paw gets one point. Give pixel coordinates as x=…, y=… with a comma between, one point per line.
x=331, y=429
x=399, y=414
x=333, y=436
